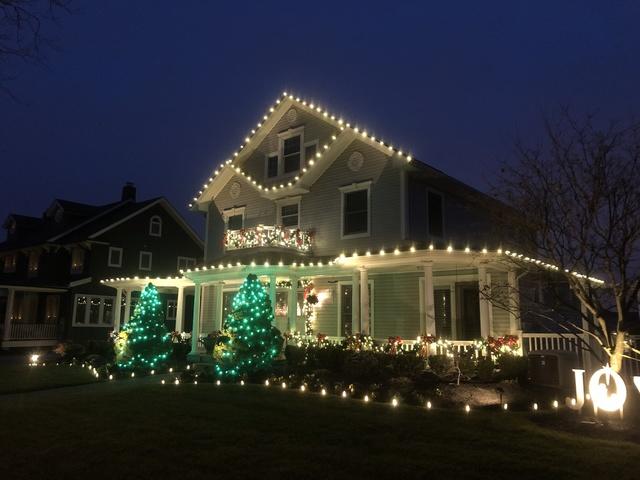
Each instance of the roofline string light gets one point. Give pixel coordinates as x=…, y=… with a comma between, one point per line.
x=338, y=122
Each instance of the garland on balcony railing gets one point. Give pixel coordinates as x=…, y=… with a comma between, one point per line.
x=277, y=236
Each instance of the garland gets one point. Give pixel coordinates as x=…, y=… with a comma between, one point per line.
x=277, y=236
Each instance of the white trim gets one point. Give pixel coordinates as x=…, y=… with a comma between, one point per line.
x=232, y=212
x=140, y=255
x=371, y=306
x=80, y=282
x=168, y=207
x=153, y=221
x=282, y=136
x=22, y=288
x=355, y=187
x=87, y=311
x=285, y=202
x=112, y=250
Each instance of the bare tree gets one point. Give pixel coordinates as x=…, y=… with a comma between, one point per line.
x=22, y=36
x=578, y=195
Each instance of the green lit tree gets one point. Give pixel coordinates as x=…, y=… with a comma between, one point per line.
x=253, y=341
x=145, y=342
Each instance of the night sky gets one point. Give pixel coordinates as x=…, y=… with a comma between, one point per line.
x=159, y=92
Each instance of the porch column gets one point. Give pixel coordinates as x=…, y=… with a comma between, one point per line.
x=292, y=304
x=514, y=302
x=219, y=310
x=195, y=330
x=272, y=293
x=365, y=326
x=117, y=307
x=11, y=293
x=356, y=325
x=429, y=301
x=127, y=307
x=485, y=327
x=180, y=310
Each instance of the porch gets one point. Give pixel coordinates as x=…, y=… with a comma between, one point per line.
x=31, y=316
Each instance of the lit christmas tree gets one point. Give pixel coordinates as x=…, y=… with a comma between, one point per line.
x=253, y=340
x=146, y=342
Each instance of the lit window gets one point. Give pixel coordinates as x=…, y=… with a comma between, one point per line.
x=155, y=226
x=186, y=262
x=10, y=263
x=93, y=311
x=145, y=261
x=435, y=214
x=77, y=260
x=34, y=261
x=115, y=257
x=291, y=154
x=355, y=210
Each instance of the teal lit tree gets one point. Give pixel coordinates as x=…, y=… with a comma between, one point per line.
x=145, y=342
x=253, y=342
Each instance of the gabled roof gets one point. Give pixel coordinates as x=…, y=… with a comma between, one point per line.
x=344, y=135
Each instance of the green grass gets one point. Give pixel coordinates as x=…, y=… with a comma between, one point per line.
x=23, y=378
x=140, y=429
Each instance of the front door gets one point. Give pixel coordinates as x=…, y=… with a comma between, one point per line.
x=468, y=311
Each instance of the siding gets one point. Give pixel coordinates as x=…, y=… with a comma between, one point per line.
x=396, y=305
x=208, y=305
x=314, y=129
x=258, y=210
x=501, y=325
x=327, y=313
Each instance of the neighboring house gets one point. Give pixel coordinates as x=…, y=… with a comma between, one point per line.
x=392, y=246
x=50, y=267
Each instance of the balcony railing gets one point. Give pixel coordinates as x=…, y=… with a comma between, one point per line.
x=33, y=331
x=269, y=236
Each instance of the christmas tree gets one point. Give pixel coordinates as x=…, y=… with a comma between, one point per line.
x=145, y=342
x=253, y=341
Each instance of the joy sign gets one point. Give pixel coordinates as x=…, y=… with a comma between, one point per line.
x=609, y=395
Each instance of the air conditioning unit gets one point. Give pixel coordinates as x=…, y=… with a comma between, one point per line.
x=552, y=368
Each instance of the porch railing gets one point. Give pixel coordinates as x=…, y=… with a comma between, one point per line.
x=269, y=236
x=33, y=331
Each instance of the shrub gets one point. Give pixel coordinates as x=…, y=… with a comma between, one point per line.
x=486, y=369
x=295, y=356
x=180, y=351
x=330, y=358
x=362, y=367
x=102, y=348
x=513, y=367
x=440, y=364
x=407, y=365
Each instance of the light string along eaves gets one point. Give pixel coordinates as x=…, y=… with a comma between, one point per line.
x=338, y=122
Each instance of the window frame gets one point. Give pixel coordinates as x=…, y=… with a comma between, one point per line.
x=285, y=202
x=315, y=142
x=87, y=312
x=11, y=265
x=282, y=136
x=372, y=296
x=268, y=156
x=155, y=220
x=190, y=260
x=174, y=303
x=355, y=187
x=232, y=212
x=439, y=194
x=109, y=259
x=78, y=268
x=145, y=253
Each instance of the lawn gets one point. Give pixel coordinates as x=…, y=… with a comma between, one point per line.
x=23, y=378
x=141, y=429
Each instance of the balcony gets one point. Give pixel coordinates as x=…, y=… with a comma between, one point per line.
x=269, y=236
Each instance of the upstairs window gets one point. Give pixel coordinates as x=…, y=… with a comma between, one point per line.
x=155, y=226
x=186, y=262
x=291, y=149
x=77, y=260
x=115, y=257
x=234, y=218
x=355, y=209
x=10, y=262
x=272, y=166
x=310, y=150
x=145, y=260
x=34, y=261
x=289, y=215
x=435, y=214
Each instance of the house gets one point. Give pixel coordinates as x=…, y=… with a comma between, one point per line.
x=391, y=245
x=51, y=267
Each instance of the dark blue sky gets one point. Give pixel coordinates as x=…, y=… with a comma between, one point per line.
x=159, y=92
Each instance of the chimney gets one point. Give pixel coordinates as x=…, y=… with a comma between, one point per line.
x=129, y=192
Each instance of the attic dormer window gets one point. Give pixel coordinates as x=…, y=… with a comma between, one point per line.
x=291, y=149
x=155, y=226
x=289, y=158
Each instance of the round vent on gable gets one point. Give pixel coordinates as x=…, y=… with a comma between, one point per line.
x=234, y=190
x=292, y=115
x=356, y=159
